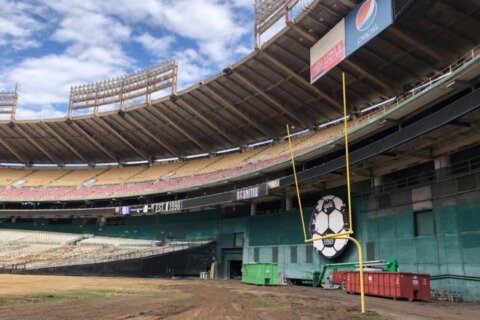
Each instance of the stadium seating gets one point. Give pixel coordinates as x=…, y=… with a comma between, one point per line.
x=118, y=176
x=77, y=177
x=9, y=176
x=43, y=177
x=38, y=237
x=25, y=249
x=156, y=172
x=37, y=256
x=115, y=242
x=191, y=168
x=136, y=180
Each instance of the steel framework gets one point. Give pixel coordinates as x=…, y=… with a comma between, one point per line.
x=8, y=103
x=122, y=89
x=267, y=13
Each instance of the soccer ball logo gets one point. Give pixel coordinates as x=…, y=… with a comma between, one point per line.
x=329, y=217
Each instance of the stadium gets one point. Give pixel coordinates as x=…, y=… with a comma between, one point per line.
x=199, y=181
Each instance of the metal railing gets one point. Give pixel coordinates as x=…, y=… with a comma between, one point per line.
x=455, y=170
x=420, y=88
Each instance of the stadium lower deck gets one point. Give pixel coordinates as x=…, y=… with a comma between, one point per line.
x=414, y=139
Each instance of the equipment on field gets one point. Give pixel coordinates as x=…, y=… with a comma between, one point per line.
x=263, y=274
x=332, y=275
x=396, y=285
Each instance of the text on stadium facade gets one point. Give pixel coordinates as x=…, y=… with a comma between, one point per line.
x=167, y=206
x=246, y=194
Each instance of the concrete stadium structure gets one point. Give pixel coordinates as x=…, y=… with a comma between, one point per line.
x=414, y=101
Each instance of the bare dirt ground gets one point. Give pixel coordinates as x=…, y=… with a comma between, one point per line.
x=72, y=298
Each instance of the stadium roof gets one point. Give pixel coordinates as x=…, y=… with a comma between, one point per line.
x=255, y=98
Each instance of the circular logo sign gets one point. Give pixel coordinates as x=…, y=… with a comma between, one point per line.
x=329, y=217
x=366, y=15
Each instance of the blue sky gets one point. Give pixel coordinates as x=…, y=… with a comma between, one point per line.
x=48, y=46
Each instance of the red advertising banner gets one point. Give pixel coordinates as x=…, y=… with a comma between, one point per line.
x=326, y=62
x=327, y=52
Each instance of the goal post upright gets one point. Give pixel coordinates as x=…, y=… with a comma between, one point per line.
x=347, y=159
x=347, y=235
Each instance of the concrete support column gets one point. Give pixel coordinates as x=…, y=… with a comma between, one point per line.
x=442, y=165
x=253, y=209
x=377, y=185
x=288, y=202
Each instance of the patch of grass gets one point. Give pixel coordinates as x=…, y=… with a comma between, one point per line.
x=71, y=295
x=370, y=315
x=264, y=304
x=56, y=297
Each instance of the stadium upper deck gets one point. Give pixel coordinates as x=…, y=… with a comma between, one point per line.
x=61, y=184
x=253, y=99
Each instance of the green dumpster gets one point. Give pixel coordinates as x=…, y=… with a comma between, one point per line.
x=311, y=278
x=262, y=274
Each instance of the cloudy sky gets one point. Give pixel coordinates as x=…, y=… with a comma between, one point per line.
x=47, y=46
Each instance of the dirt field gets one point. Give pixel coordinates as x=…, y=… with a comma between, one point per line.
x=54, y=297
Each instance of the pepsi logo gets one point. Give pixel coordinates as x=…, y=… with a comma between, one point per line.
x=366, y=15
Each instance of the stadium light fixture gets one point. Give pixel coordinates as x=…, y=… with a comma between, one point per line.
x=106, y=164
x=228, y=70
x=174, y=97
x=125, y=89
x=297, y=133
x=167, y=159
x=76, y=165
x=45, y=165
x=8, y=164
x=378, y=105
x=195, y=156
x=429, y=83
x=261, y=143
x=333, y=122
x=267, y=13
x=8, y=105
x=136, y=162
x=228, y=150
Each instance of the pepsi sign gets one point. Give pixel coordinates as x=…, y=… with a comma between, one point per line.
x=365, y=22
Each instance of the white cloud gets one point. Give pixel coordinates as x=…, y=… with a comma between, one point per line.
x=214, y=25
x=159, y=47
x=211, y=24
x=242, y=50
x=192, y=68
x=39, y=112
x=244, y=3
x=90, y=28
x=17, y=26
x=97, y=42
x=48, y=79
x=93, y=52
